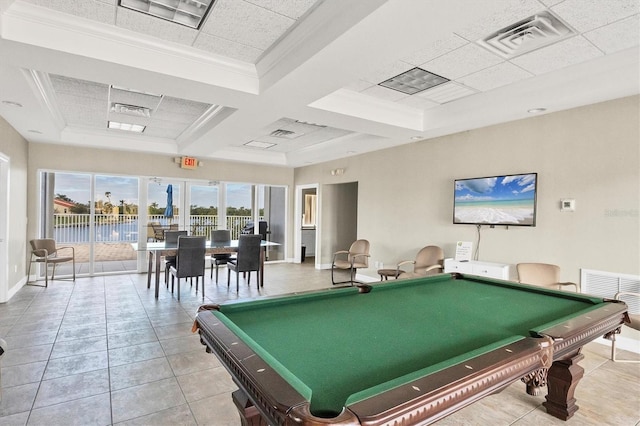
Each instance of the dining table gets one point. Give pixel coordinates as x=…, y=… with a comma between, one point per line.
x=161, y=248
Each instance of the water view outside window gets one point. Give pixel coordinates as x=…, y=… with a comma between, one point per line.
x=100, y=226
x=99, y=214
x=239, y=211
x=203, y=210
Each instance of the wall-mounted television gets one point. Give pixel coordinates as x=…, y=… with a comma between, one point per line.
x=496, y=200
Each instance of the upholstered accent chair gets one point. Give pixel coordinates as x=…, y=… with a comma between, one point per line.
x=45, y=250
x=429, y=261
x=353, y=259
x=629, y=297
x=542, y=274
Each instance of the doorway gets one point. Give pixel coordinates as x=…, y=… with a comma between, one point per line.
x=307, y=224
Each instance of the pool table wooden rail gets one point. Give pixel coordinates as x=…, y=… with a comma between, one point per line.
x=545, y=359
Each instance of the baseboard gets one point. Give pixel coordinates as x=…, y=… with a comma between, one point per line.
x=366, y=278
x=16, y=288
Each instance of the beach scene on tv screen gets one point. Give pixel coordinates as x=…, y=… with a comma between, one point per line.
x=508, y=200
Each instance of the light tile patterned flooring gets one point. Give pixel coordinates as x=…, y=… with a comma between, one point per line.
x=104, y=351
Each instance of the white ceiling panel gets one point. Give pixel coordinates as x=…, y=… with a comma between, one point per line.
x=183, y=106
x=155, y=27
x=561, y=55
x=260, y=29
x=293, y=9
x=465, y=60
x=586, y=15
x=81, y=115
x=384, y=71
x=435, y=49
x=79, y=88
x=496, y=76
x=618, y=36
x=95, y=10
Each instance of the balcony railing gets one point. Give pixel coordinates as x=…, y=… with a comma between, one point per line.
x=75, y=228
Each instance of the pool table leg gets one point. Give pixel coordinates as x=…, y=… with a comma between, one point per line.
x=249, y=415
x=562, y=379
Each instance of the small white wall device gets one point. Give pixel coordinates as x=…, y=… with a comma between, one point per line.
x=567, y=205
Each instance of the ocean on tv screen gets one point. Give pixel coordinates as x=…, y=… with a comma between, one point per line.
x=504, y=200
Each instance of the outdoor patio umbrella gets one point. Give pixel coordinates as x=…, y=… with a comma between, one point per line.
x=168, y=211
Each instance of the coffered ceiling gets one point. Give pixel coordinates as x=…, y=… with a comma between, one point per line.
x=297, y=82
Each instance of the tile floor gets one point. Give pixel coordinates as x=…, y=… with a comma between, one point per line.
x=104, y=351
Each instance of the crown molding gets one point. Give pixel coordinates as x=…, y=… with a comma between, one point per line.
x=42, y=87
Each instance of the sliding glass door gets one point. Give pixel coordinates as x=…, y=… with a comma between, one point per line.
x=115, y=223
x=203, y=209
x=99, y=215
x=95, y=214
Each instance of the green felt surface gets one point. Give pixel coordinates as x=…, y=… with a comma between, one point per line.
x=341, y=342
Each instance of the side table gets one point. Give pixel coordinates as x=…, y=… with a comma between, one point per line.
x=386, y=273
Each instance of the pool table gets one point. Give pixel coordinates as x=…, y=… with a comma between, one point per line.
x=403, y=352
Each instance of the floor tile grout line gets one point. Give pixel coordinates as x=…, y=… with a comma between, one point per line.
x=49, y=358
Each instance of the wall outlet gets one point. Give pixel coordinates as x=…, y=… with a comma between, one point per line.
x=15, y=268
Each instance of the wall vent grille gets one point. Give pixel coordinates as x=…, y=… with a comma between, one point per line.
x=607, y=284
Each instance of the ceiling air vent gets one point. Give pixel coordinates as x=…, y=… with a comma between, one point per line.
x=529, y=34
x=285, y=134
x=138, y=111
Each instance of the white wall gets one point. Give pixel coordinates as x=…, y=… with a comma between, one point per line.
x=15, y=147
x=405, y=194
x=591, y=154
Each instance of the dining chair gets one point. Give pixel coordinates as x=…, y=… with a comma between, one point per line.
x=247, y=259
x=44, y=250
x=217, y=259
x=151, y=233
x=158, y=231
x=170, y=238
x=190, y=261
